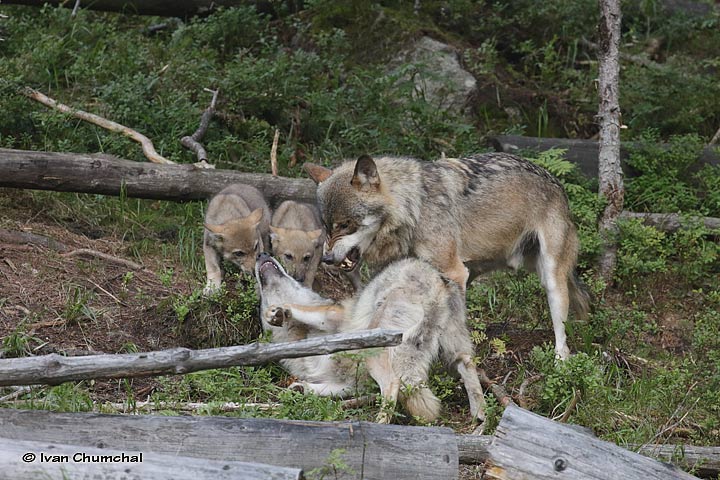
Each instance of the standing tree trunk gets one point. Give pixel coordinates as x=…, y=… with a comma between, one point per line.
x=609, y=171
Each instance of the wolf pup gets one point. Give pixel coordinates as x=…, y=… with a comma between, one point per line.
x=408, y=295
x=236, y=229
x=482, y=212
x=296, y=239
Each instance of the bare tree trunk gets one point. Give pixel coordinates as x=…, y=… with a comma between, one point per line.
x=609, y=172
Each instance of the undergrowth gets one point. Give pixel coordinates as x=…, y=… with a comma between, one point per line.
x=647, y=362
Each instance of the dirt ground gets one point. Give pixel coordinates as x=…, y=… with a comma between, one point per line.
x=80, y=296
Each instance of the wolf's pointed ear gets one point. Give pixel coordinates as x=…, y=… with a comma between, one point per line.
x=255, y=217
x=318, y=173
x=216, y=229
x=366, y=176
x=314, y=236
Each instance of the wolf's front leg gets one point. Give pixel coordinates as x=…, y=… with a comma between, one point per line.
x=213, y=269
x=325, y=318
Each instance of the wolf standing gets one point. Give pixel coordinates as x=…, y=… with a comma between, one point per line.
x=465, y=216
x=237, y=224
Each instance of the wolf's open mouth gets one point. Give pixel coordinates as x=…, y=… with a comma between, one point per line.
x=268, y=266
x=351, y=260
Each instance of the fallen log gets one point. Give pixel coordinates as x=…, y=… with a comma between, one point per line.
x=583, y=153
x=55, y=461
x=54, y=369
x=107, y=175
x=368, y=451
x=704, y=461
x=526, y=445
x=162, y=8
x=671, y=222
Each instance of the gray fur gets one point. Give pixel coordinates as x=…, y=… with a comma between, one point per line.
x=465, y=216
x=228, y=231
x=408, y=295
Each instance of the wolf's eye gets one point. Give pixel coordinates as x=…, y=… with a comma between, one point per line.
x=238, y=253
x=288, y=257
x=342, y=226
x=307, y=258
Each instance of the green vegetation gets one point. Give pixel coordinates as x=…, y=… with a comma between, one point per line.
x=648, y=356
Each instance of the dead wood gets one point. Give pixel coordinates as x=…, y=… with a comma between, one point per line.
x=497, y=389
x=715, y=139
x=636, y=59
x=192, y=142
x=671, y=222
x=147, y=146
x=163, y=8
x=107, y=175
x=105, y=256
x=54, y=369
x=273, y=154
x=9, y=236
x=584, y=152
x=369, y=451
x=63, y=461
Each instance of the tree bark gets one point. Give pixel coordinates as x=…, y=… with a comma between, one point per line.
x=60, y=461
x=163, y=8
x=107, y=175
x=582, y=152
x=527, y=445
x=368, y=450
x=610, y=175
x=671, y=222
x=54, y=369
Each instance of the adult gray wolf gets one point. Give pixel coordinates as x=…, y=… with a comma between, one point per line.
x=482, y=212
x=237, y=224
x=408, y=295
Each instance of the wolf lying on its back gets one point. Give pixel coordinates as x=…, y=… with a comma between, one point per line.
x=409, y=295
x=485, y=212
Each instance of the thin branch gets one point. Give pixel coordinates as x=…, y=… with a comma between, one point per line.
x=9, y=236
x=716, y=138
x=571, y=406
x=523, y=386
x=75, y=9
x=495, y=388
x=147, y=146
x=636, y=59
x=273, y=154
x=18, y=391
x=192, y=142
x=110, y=258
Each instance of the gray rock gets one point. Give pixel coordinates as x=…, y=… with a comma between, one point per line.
x=441, y=78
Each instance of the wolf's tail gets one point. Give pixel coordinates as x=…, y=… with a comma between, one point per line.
x=421, y=402
x=580, y=297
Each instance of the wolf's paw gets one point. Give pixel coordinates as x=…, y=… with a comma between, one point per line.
x=211, y=290
x=297, y=387
x=277, y=316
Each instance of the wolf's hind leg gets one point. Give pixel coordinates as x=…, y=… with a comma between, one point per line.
x=468, y=372
x=553, y=271
x=381, y=371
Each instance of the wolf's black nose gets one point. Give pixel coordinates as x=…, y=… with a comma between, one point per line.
x=263, y=256
x=328, y=258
